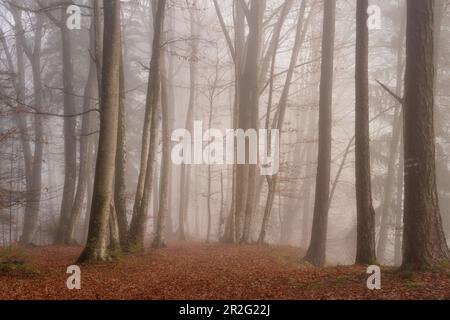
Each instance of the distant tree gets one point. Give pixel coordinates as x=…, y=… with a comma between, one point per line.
x=185, y=172
x=70, y=139
x=163, y=213
x=394, y=147
x=281, y=112
x=33, y=162
x=317, y=246
x=86, y=144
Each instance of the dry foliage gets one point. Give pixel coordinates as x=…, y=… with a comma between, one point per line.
x=214, y=272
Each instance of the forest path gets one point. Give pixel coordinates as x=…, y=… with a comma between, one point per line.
x=200, y=271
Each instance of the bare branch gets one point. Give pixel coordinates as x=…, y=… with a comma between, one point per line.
x=395, y=96
x=225, y=31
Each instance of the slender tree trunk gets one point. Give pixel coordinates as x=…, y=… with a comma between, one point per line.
x=114, y=241
x=146, y=132
x=21, y=119
x=164, y=189
x=423, y=238
x=120, y=200
x=155, y=198
x=282, y=106
x=241, y=183
x=96, y=247
x=209, y=196
x=222, y=206
x=98, y=30
x=317, y=247
x=249, y=103
x=393, y=154
x=399, y=209
x=35, y=179
x=365, y=243
x=139, y=220
x=85, y=155
x=185, y=169
x=307, y=188
x=70, y=139
x=208, y=206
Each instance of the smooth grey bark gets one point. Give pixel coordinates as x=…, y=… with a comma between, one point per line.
x=306, y=194
x=146, y=135
x=164, y=188
x=120, y=199
x=98, y=30
x=114, y=247
x=399, y=209
x=138, y=223
x=248, y=109
x=86, y=155
x=96, y=246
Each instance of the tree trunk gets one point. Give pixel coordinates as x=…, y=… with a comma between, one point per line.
x=208, y=206
x=399, y=211
x=365, y=243
x=34, y=179
x=139, y=220
x=70, y=139
x=96, y=247
x=164, y=189
x=393, y=154
x=248, y=104
x=86, y=155
x=146, y=132
x=120, y=200
x=423, y=238
x=282, y=106
x=185, y=169
x=114, y=237
x=307, y=188
x=317, y=247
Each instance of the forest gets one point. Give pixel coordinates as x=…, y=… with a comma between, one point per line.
x=234, y=149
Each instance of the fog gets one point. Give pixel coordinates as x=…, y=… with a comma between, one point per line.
x=206, y=75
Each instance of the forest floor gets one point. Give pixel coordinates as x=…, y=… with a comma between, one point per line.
x=200, y=271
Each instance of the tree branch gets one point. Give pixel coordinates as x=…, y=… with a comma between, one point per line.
x=395, y=96
x=225, y=32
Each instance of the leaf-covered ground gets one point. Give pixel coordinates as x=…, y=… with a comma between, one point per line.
x=212, y=272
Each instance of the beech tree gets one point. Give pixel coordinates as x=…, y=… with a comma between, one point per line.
x=248, y=113
x=139, y=220
x=424, y=242
x=185, y=173
x=317, y=246
x=33, y=161
x=70, y=139
x=96, y=246
x=365, y=243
